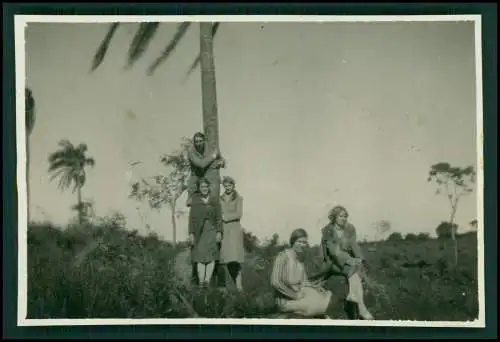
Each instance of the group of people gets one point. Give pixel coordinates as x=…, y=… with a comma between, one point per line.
x=214, y=228
x=216, y=239
x=304, y=295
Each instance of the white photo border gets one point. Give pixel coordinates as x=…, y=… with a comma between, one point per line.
x=20, y=23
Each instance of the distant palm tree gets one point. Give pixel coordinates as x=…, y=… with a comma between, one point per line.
x=205, y=59
x=69, y=164
x=29, y=104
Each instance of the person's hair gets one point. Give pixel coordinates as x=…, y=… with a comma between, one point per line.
x=200, y=181
x=336, y=211
x=198, y=134
x=230, y=180
x=227, y=179
x=297, y=234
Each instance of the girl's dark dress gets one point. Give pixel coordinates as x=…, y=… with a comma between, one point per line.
x=205, y=221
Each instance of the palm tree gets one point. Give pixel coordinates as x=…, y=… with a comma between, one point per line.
x=69, y=163
x=205, y=59
x=29, y=103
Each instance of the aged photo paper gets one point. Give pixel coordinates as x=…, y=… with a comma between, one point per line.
x=270, y=170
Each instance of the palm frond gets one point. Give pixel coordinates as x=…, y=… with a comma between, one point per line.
x=66, y=144
x=59, y=164
x=174, y=42
x=197, y=60
x=55, y=156
x=65, y=181
x=103, y=48
x=141, y=40
x=56, y=173
x=81, y=148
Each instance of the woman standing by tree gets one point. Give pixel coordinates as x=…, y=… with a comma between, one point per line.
x=232, y=249
x=203, y=164
x=205, y=231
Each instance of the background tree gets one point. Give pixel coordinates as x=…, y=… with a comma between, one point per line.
x=166, y=189
x=140, y=42
x=381, y=228
x=250, y=241
x=395, y=237
x=69, y=164
x=446, y=230
x=86, y=210
x=453, y=182
x=423, y=236
x=29, y=104
x=473, y=224
x=273, y=241
x=411, y=237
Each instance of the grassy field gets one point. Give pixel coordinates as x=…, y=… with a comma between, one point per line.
x=103, y=271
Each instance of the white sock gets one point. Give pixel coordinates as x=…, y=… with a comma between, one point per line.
x=202, y=271
x=209, y=269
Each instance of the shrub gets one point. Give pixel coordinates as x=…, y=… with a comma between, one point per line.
x=103, y=271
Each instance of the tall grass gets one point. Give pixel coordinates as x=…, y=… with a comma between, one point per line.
x=103, y=271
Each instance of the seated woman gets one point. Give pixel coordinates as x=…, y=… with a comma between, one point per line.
x=294, y=293
x=342, y=255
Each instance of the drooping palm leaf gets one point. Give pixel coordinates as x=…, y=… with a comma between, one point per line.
x=181, y=31
x=103, y=48
x=197, y=60
x=141, y=41
x=65, y=181
x=58, y=172
x=65, y=143
x=58, y=165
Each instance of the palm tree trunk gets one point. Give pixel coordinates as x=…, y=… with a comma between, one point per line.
x=80, y=204
x=209, y=95
x=28, y=177
x=29, y=103
x=174, y=224
x=453, y=235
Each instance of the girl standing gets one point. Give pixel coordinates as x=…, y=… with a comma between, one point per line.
x=205, y=231
x=232, y=250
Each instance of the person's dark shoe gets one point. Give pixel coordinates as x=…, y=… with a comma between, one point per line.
x=352, y=310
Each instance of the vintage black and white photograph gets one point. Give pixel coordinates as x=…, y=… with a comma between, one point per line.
x=312, y=170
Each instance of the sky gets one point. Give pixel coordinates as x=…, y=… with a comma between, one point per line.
x=310, y=115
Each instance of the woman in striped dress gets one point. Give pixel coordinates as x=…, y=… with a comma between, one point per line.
x=294, y=293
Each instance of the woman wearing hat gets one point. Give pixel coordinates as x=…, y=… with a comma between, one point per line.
x=232, y=253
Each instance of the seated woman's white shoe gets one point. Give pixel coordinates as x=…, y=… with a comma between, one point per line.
x=365, y=315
